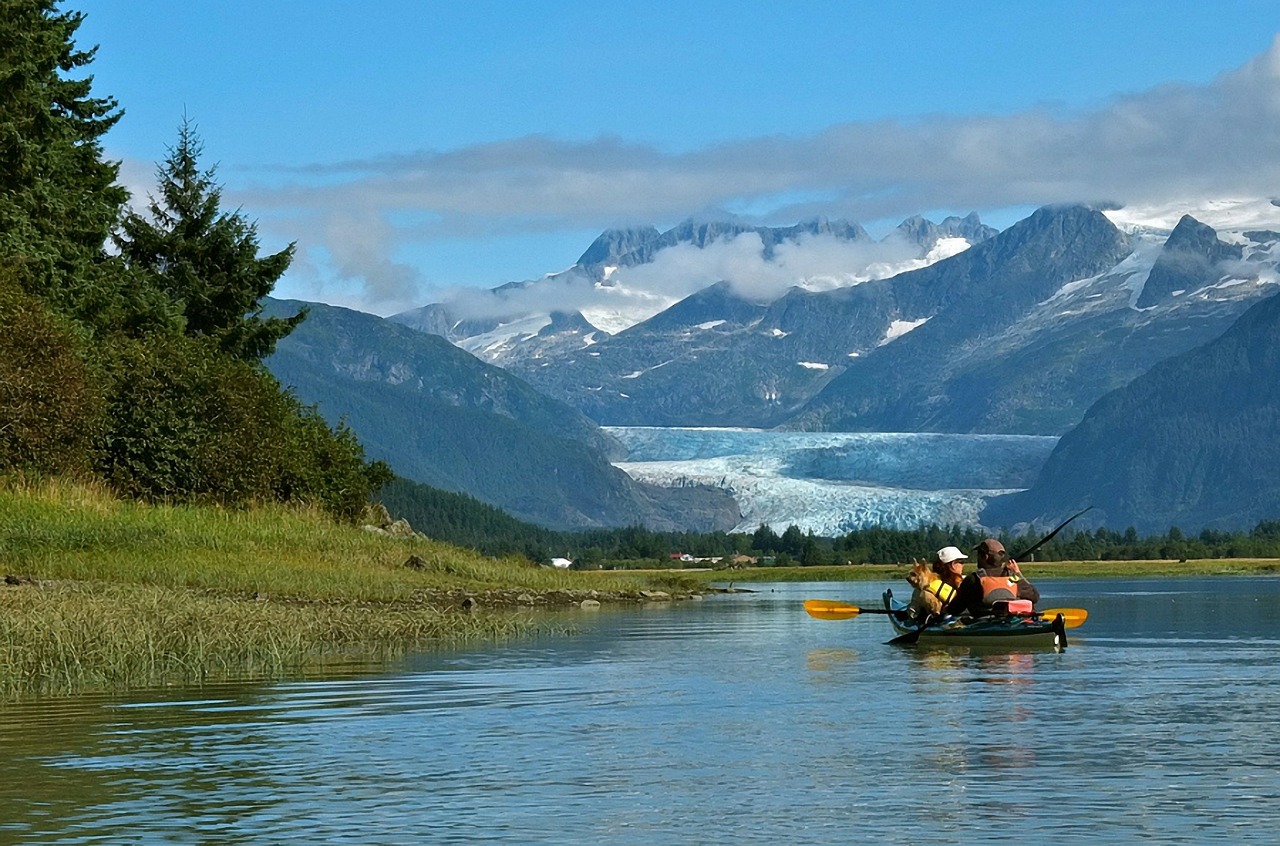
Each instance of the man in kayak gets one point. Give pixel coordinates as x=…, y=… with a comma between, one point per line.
x=997, y=582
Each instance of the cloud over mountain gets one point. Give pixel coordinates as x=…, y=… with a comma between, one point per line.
x=1175, y=141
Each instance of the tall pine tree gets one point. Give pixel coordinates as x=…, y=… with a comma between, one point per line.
x=204, y=259
x=58, y=198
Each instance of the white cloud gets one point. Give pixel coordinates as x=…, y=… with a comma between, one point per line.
x=1176, y=140
x=815, y=262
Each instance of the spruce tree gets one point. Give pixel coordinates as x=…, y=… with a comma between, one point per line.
x=204, y=259
x=58, y=197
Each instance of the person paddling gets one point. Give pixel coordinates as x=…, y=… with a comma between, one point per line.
x=997, y=582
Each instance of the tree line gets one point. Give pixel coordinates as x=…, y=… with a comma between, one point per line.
x=464, y=521
x=133, y=343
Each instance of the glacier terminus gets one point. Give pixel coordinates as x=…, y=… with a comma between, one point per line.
x=832, y=483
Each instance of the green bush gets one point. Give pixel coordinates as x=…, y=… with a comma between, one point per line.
x=48, y=405
x=186, y=422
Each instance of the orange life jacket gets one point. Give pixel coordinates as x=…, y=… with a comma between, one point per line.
x=998, y=589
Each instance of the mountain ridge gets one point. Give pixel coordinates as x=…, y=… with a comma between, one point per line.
x=1191, y=442
x=441, y=417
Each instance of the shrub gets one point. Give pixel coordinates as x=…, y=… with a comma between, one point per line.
x=48, y=405
x=187, y=422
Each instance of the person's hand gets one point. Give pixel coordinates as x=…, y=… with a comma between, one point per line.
x=1012, y=567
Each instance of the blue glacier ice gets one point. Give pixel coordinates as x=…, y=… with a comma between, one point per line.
x=834, y=482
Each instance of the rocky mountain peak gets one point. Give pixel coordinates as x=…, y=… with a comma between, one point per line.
x=563, y=322
x=1191, y=259
x=614, y=245
x=926, y=233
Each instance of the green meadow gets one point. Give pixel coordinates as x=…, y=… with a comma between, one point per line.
x=101, y=593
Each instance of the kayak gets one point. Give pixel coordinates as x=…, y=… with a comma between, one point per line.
x=1002, y=632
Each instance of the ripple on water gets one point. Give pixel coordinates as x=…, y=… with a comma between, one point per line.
x=736, y=720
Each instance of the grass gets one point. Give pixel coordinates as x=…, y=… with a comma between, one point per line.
x=78, y=635
x=105, y=594
x=112, y=595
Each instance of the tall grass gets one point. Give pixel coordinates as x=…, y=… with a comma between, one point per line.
x=58, y=530
x=75, y=636
x=113, y=594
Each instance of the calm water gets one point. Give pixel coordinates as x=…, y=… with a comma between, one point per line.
x=734, y=720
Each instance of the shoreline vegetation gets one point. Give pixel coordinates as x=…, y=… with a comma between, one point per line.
x=105, y=594
x=1036, y=571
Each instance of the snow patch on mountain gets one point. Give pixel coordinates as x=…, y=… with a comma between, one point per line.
x=898, y=328
x=1147, y=235
x=485, y=344
x=1223, y=215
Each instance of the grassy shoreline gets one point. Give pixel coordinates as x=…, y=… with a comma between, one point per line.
x=1034, y=571
x=101, y=594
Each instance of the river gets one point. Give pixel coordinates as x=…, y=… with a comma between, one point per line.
x=737, y=719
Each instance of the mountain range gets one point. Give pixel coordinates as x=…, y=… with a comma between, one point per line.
x=1017, y=333
x=1190, y=443
x=948, y=328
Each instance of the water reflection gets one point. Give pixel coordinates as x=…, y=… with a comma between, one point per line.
x=734, y=721
x=831, y=660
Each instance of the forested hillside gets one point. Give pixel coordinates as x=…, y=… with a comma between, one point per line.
x=133, y=342
x=1190, y=443
x=440, y=416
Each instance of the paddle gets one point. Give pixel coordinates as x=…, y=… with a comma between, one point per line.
x=911, y=637
x=1049, y=536
x=831, y=609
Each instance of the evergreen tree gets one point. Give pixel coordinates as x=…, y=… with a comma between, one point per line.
x=59, y=200
x=204, y=259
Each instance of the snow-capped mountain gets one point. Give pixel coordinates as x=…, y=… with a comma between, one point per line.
x=1017, y=334
x=1190, y=443
x=627, y=276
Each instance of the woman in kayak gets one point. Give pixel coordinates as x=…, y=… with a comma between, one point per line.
x=997, y=582
x=948, y=564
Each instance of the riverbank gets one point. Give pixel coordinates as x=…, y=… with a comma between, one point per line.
x=104, y=594
x=1035, y=571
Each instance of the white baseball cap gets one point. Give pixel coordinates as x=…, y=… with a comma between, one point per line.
x=950, y=553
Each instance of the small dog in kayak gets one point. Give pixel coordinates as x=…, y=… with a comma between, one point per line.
x=923, y=602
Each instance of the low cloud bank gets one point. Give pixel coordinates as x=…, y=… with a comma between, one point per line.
x=1174, y=141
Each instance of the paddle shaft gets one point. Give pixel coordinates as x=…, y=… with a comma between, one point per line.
x=833, y=609
x=1049, y=536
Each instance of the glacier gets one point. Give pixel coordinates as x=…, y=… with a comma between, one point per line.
x=832, y=483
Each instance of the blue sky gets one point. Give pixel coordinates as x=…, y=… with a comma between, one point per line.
x=409, y=147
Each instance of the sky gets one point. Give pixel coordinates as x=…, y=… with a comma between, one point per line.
x=411, y=149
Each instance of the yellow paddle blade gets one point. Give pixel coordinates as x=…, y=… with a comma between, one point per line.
x=1072, y=618
x=830, y=609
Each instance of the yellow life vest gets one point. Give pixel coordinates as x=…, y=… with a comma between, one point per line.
x=940, y=589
